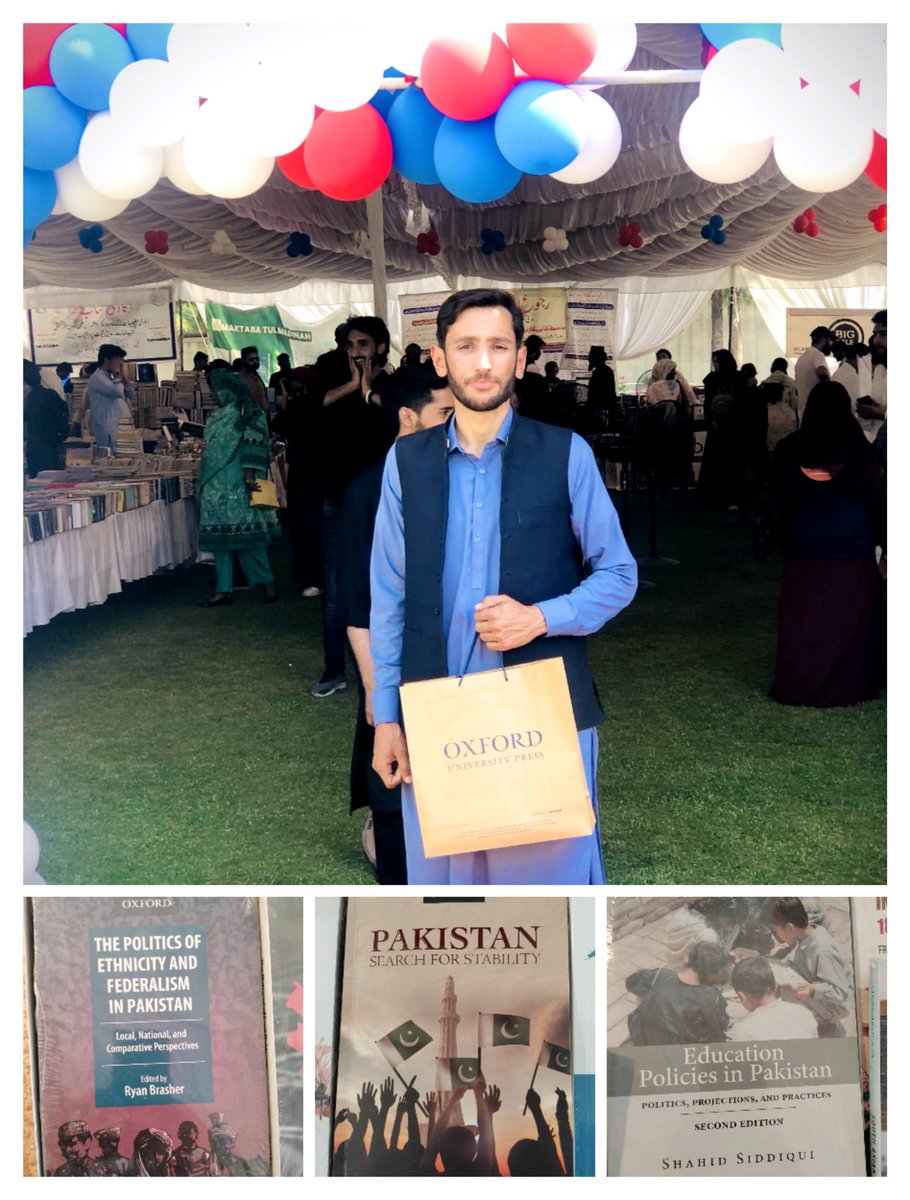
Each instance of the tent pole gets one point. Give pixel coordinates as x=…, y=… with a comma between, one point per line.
x=376, y=232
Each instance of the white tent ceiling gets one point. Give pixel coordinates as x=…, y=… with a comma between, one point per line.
x=650, y=183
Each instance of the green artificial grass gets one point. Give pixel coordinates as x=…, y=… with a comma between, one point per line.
x=168, y=744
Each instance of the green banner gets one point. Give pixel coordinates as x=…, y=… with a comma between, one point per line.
x=230, y=329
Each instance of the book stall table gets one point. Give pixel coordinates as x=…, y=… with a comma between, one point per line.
x=84, y=539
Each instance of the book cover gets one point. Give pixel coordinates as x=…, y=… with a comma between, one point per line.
x=870, y=940
x=150, y=1030
x=454, y=1040
x=584, y=1055
x=732, y=1038
x=329, y=931
x=285, y=945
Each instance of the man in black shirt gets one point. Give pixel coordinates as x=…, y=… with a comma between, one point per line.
x=414, y=400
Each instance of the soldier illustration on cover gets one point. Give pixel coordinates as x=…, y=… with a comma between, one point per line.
x=190, y=1158
x=222, y=1138
x=151, y=1153
x=110, y=1158
x=75, y=1140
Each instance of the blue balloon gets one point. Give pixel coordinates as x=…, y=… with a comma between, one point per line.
x=413, y=123
x=382, y=101
x=540, y=126
x=723, y=35
x=96, y=247
x=52, y=128
x=28, y=235
x=85, y=60
x=39, y=195
x=468, y=161
x=392, y=73
x=148, y=41
x=707, y=232
x=716, y=221
x=719, y=237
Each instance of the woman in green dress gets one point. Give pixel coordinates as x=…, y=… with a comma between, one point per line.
x=236, y=455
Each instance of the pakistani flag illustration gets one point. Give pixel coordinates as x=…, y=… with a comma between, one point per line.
x=503, y=1029
x=401, y=1042
x=557, y=1058
x=452, y=1073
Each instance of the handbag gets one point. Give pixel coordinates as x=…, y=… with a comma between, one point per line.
x=495, y=759
x=266, y=496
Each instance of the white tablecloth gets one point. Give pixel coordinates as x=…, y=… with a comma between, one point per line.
x=84, y=566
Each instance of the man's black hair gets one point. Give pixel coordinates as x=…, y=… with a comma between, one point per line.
x=284, y=355
x=753, y=977
x=247, y=349
x=106, y=350
x=880, y=318
x=819, y=332
x=375, y=328
x=200, y=354
x=341, y=332
x=460, y=302
x=780, y=364
x=66, y=367
x=409, y=387
x=707, y=961
x=789, y=910
x=663, y=350
x=31, y=373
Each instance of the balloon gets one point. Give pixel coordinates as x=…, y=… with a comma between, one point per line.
x=616, y=45
x=469, y=163
x=153, y=101
x=413, y=124
x=873, y=91
x=541, y=126
x=750, y=86
x=293, y=167
x=85, y=61
x=877, y=166
x=707, y=231
x=51, y=126
x=211, y=56
x=712, y=157
x=39, y=193
x=37, y=42
x=836, y=53
x=467, y=78
x=290, y=115
x=28, y=235
x=218, y=172
x=716, y=221
x=602, y=144
x=382, y=100
x=720, y=237
x=31, y=850
x=801, y=224
x=81, y=199
x=560, y=53
x=341, y=73
x=837, y=161
x=407, y=41
x=328, y=159
x=148, y=41
x=112, y=164
x=726, y=35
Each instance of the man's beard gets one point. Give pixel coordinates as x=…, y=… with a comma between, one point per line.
x=487, y=403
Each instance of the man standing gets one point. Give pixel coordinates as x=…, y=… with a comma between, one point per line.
x=106, y=396
x=110, y=1159
x=814, y=955
x=811, y=366
x=355, y=434
x=249, y=373
x=282, y=375
x=414, y=400
x=500, y=516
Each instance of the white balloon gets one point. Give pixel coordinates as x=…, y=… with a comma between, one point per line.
x=873, y=94
x=176, y=172
x=341, y=74
x=602, y=143
x=113, y=164
x=59, y=207
x=31, y=850
x=809, y=155
x=712, y=157
x=407, y=40
x=221, y=172
x=212, y=57
x=616, y=46
x=834, y=54
x=80, y=198
x=267, y=115
x=154, y=100
x=750, y=85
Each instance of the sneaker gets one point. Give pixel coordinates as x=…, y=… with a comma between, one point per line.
x=328, y=685
x=311, y=592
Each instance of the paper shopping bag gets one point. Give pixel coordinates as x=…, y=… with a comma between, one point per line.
x=495, y=759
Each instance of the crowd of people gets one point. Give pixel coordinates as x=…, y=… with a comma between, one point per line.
x=446, y=1146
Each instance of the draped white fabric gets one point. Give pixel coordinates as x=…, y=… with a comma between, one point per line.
x=644, y=322
x=84, y=566
x=773, y=302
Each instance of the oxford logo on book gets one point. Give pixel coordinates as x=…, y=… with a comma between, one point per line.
x=401, y=1042
x=494, y=749
x=503, y=1029
x=454, y=1073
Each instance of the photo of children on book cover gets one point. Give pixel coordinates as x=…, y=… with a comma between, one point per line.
x=454, y=1039
x=732, y=1037
x=150, y=1029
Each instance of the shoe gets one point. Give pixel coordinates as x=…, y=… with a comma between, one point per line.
x=328, y=685
x=311, y=592
x=226, y=599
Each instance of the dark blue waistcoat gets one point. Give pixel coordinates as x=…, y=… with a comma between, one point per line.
x=539, y=556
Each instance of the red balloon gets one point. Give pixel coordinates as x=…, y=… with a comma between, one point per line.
x=561, y=53
x=292, y=166
x=637, y=241
x=877, y=166
x=467, y=79
x=634, y=227
x=881, y=224
x=328, y=157
x=801, y=224
x=37, y=43
x=119, y=28
x=812, y=230
x=809, y=214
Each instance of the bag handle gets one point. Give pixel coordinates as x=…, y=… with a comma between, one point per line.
x=467, y=661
